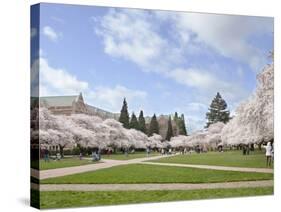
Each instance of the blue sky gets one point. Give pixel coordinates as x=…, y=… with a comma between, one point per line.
x=161, y=61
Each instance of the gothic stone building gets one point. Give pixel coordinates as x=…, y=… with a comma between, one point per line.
x=67, y=105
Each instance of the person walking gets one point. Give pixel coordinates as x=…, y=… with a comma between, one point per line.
x=46, y=155
x=268, y=154
x=147, y=151
x=272, y=154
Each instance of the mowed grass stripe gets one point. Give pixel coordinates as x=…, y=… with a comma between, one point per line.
x=256, y=159
x=142, y=173
x=62, y=199
x=65, y=162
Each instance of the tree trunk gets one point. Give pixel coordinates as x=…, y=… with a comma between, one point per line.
x=61, y=151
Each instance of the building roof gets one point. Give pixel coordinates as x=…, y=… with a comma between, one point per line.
x=55, y=101
x=102, y=113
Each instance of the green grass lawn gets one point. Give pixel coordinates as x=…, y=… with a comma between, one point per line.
x=142, y=173
x=256, y=159
x=62, y=199
x=66, y=162
x=121, y=156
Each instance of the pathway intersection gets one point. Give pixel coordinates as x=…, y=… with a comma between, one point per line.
x=107, y=163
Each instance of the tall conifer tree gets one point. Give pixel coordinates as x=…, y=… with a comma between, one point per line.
x=182, y=128
x=142, y=126
x=124, y=115
x=217, y=111
x=134, y=124
x=169, y=130
x=154, y=126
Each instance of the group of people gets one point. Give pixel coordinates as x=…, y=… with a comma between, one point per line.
x=46, y=153
x=96, y=155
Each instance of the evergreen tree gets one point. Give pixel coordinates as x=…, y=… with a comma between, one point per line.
x=181, y=126
x=217, y=111
x=169, y=130
x=134, y=124
x=142, y=126
x=154, y=126
x=124, y=115
x=176, y=120
x=176, y=117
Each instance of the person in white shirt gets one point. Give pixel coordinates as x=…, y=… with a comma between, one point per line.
x=268, y=154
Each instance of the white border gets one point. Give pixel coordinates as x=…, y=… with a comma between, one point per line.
x=14, y=105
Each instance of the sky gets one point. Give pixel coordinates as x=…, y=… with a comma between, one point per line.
x=161, y=61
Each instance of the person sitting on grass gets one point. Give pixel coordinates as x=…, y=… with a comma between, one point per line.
x=58, y=156
x=95, y=156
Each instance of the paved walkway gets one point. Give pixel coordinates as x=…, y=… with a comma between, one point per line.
x=225, y=168
x=150, y=187
x=105, y=163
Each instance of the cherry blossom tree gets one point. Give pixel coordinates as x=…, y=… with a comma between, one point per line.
x=213, y=138
x=54, y=130
x=137, y=139
x=178, y=141
x=155, y=141
x=90, y=131
x=117, y=134
x=253, y=122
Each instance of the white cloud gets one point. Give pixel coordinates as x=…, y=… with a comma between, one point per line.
x=131, y=35
x=138, y=36
x=195, y=78
x=207, y=84
x=135, y=35
x=51, y=34
x=111, y=98
x=228, y=35
x=57, y=80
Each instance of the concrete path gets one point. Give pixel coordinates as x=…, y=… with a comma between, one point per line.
x=150, y=187
x=225, y=168
x=105, y=163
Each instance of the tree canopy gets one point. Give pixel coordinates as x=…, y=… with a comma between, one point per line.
x=217, y=111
